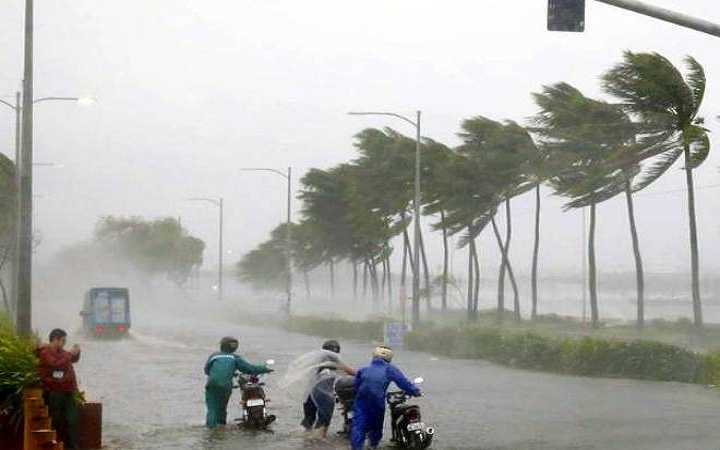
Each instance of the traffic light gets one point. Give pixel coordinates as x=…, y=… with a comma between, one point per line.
x=566, y=15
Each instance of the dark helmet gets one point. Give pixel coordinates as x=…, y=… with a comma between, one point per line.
x=331, y=345
x=228, y=344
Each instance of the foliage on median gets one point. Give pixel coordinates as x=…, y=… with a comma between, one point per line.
x=584, y=356
x=371, y=330
x=646, y=360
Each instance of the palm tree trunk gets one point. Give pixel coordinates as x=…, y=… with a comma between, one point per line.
x=389, y=278
x=306, y=280
x=332, y=278
x=383, y=261
x=470, y=290
x=446, y=259
x=592, y=269
x=694, y=253
x=476, y=293
x=365, y=279
x=355, y=281
x=513, y=283
x=409, y=249
x=511, y=274
x=374, y=283
x=6, y=302
x=639, y=273
x=536, y=253
x=403, y=273
x=426, y=272
x=3, y=291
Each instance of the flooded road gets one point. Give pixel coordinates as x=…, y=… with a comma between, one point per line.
x=151, y=387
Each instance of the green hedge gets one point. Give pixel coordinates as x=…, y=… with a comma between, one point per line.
x=644, y=360
x=18, y=364
x=18, y=369
x=336, y=328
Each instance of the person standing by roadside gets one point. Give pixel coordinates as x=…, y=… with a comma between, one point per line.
x=60, y=385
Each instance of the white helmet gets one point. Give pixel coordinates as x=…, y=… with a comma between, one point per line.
x=383, y=352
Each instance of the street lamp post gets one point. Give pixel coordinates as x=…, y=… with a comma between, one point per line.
x=416, y=206
x=23, y=319
x=219, y=203
x=288, y=233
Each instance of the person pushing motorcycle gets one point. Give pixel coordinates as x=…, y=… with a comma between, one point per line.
x=220, y=369
x=319, y=405
x=371, y=384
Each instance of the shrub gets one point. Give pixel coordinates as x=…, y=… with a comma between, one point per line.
x=18, y=370
x=18, y=365
x=586, y=356
x=371, y=330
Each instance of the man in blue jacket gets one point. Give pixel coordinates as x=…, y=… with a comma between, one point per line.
x=220, y=369
x=371, y=384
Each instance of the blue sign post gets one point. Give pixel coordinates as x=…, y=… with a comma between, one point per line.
x=395, y=335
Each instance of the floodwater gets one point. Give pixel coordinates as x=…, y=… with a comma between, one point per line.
x=151, y=387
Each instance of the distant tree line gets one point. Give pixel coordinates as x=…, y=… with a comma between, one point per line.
x=160, y=247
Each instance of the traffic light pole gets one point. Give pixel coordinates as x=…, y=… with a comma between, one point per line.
x=666, y=15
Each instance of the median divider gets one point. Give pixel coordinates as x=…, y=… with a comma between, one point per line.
x=582, y=356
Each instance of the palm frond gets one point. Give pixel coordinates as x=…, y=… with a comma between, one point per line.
x=696, y=81
x=699, y=142
x=657, y=168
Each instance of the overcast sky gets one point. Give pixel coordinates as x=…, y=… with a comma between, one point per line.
x=190, y=91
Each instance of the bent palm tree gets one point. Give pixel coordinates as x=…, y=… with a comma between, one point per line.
x=582, y=135
x=668, y=103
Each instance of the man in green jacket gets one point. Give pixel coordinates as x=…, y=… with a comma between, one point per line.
x=220, y=369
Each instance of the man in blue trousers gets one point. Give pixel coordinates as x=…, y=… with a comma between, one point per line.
x=371, y=384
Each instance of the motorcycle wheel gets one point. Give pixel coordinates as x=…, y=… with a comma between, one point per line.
x=256, y=417
x=415, y=441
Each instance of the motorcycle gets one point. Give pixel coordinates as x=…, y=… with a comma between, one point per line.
x=408, y=429
x=345, y=397
x=253, y=402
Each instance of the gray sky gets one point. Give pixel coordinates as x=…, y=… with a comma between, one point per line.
x=190, y=91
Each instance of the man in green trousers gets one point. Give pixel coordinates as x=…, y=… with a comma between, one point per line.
x=220, y=369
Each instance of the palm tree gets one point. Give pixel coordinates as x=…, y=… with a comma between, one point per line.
x=504, y=151
x=467, y=194
x=436, y=158
x=7, y=219
x=668, y=103
x=582, y=135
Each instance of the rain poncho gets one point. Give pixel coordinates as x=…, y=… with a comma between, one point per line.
x=371, y=384
x=311, y=378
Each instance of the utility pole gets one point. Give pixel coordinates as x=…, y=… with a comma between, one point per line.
x=220, y=205
x=416, y=208
x=220, y=257
x=288, y=241
x=24, y=275
x=288, y=231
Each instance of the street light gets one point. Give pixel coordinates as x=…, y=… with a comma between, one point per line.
x=416, y=206
x=219, y=203
x=288, y=236
x=22, y=248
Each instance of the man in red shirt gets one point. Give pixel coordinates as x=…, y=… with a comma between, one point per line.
x=58, y=378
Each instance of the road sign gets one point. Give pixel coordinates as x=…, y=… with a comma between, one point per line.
x=566, y=15
x=395, y=334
